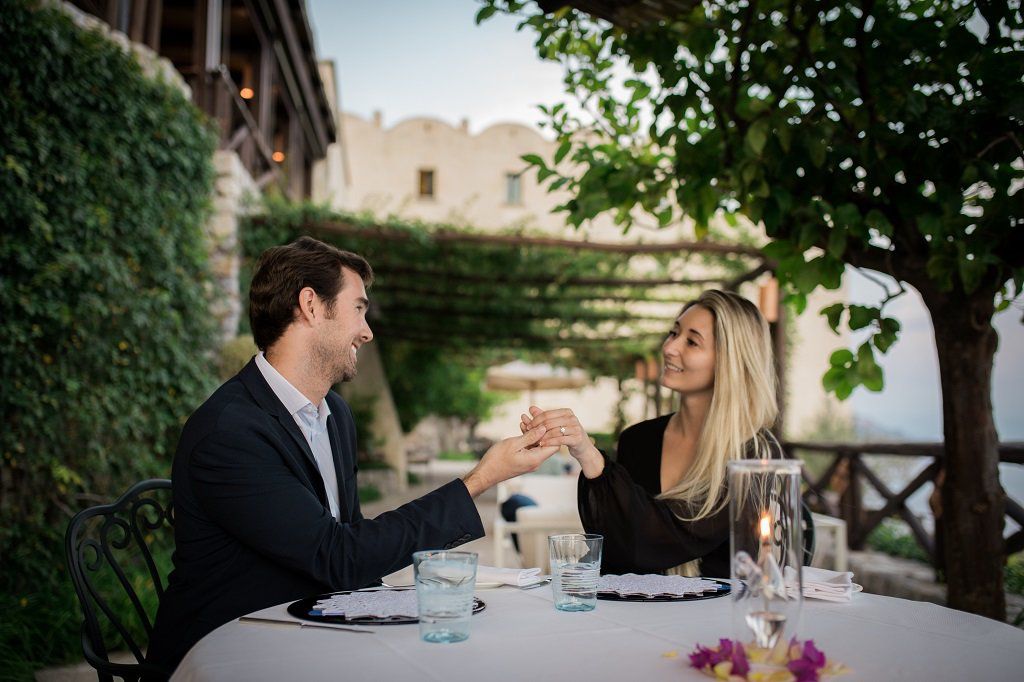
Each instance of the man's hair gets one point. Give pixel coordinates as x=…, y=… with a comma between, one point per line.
x=283, y=271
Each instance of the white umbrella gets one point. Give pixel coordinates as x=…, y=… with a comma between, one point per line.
x=532, y=377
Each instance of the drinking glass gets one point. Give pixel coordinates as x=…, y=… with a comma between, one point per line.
x=766, y=546
x=575, y=570
x=444, y=593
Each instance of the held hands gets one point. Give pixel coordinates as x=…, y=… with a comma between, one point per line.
x=507, y=459
x=562, y=427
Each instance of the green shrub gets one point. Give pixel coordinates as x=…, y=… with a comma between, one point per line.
x=891, y=538
x=368, y=492
x=1014, y=573
x=413, y=478
x=234, y=355
x=450, y=456
x=105, y=338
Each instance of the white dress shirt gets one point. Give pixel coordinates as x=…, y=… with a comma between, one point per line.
x=312, y=422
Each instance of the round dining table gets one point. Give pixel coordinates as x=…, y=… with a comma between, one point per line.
x=520, y=636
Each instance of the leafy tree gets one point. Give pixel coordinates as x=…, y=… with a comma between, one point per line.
x=883, y=135
x=427, y=381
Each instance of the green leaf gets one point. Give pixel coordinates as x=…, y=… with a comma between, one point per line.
x=861, y=316
x=816, y=150
x=757, y=136
x=533, y=160
x=872, y=379
x=833, y=314
x=485, y=13
x=847, y=217
x=833, y=378
x=876, y=220
x=841, y=357
x=563, y=149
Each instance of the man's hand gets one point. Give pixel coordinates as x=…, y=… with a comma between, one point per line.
x=562, y=427
x=507, y=459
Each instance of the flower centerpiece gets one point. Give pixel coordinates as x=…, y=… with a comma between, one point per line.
x=800, y=662
x=797, y=662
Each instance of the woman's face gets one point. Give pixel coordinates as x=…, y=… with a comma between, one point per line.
x=688, y=354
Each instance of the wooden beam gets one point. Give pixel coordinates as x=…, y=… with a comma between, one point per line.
x=597, y=297
x=137, y=21
x=1009, y=451
x=681, y=247
x=554, y=279
x=156, y=16
x=302, y=72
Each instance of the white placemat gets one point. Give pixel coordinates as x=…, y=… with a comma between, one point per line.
x=379, y=604
x=652, y=585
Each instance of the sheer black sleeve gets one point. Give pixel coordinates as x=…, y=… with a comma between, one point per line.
x=643, y=534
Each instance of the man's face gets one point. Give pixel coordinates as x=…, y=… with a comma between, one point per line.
x=343, y=331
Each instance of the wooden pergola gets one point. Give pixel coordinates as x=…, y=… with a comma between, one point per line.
x=252, y=68
x=536, y=293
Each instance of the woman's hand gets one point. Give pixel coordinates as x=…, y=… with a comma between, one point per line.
x=562, y=427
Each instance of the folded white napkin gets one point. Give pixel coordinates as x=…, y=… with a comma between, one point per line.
x=516, y=577
x=820, y=583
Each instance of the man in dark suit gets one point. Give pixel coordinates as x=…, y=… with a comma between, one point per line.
x=266, y=507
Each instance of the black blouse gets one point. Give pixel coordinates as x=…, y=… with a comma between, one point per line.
x=643, y=534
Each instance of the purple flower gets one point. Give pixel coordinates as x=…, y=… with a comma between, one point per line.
x=740, y=664
x=701, y=658
x=813, y=655
x=808, y=667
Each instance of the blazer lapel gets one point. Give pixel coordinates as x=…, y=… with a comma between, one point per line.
x=253, y=380
x=339, y=472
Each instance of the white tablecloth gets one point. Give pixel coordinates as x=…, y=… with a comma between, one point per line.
x=520, y=636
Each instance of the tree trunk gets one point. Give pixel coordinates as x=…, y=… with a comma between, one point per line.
x=973, y=501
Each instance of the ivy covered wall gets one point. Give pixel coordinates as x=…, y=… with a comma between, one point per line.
x=105, y=182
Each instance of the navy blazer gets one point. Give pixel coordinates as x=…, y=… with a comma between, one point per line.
x=252, y=524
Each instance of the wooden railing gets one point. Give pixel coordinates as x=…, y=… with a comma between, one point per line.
x=849, y=470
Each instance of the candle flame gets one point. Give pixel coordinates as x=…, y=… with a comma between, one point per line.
x=766, y=526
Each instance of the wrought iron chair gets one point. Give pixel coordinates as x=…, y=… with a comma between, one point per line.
x=117, y=555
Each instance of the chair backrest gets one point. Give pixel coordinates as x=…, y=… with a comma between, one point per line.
x=118, y=555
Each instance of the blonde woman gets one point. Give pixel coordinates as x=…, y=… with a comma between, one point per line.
x=662, y=506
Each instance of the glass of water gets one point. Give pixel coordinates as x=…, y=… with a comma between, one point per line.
x=575, y=569
x=444, y=593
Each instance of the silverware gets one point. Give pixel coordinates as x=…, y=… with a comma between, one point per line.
x=302, y=624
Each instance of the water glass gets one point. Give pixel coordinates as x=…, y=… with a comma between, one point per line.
x=575, y=570
x=766, y=545
x=444, y=594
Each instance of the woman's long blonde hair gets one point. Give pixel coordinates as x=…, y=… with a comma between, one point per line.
x=743, y=407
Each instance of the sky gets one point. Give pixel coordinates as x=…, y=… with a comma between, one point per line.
x=429, y=59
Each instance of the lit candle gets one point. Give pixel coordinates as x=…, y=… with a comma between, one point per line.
x=767, y=624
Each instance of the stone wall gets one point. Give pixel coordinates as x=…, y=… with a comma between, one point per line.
x=235, y=193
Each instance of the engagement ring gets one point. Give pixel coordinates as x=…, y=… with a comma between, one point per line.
x=562, y=429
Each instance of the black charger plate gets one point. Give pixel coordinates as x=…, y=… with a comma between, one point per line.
x=301, y=609
x=724, y=589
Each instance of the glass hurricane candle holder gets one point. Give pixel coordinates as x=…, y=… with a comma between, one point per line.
x=766, y=546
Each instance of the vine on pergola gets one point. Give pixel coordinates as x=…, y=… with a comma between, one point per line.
x=488, y=296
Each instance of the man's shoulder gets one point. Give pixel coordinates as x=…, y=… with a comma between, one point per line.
x=230, y=407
